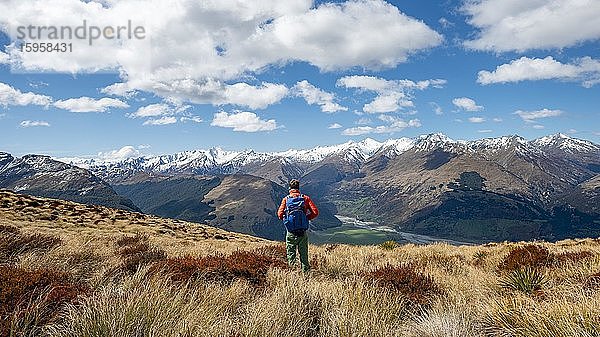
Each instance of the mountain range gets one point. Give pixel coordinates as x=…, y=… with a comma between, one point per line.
x=505, y=188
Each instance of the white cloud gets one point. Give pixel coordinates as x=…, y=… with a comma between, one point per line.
x=335, y=126
x=166, y=112
x=4, y=58
x=255, y=97
x=515, y=25
x=445, y=23
x=165, y=120
x=392, y=95
x=497, y=120
x=243, y=121
x=476, y=119
x=388, y=102
x=88, y=104
x=485, y=131
x=314, y=95
x=538, y=127
x=466, y=104
x=120, y=154
x=364, y=121
x=12, y=96
x=436, y=108
x=194, y=119
x=152, y=110
x=370, y=34
x=585, y=70
x=29, y=124
x=222, y=41
x=393, y=125
x=208, y=91
x=531, y=116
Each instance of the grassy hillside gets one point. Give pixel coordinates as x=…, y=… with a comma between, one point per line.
x=77, y=270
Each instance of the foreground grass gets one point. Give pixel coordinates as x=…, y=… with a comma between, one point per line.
x=61, y=282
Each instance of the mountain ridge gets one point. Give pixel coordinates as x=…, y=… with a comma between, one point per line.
x=219, y=161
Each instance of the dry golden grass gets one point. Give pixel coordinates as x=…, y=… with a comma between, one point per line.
x=334, y=299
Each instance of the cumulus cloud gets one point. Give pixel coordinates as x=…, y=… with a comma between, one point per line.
x=207, y=91
x=222, y=41
x=88, y=104
x=152, y=110
x=531, y=116
x=314, y=95
x=476, y=119
x=514, y=25
x=335, y=126
x=164, y=114
x=466, y=104
x=586, y=70
x=4, y=58
x=165, y=120
x=392, y=95
x=29, y=124
x=394, y=124
x=12, y=96
x=194, y=119
x=120, y=154
x=243, y=121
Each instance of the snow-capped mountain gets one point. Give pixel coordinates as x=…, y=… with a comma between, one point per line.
x=565, y=143
x=43, y=176
x=219, y=161
x=505, y=188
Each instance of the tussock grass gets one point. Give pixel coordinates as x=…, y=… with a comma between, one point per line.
x=186, y=282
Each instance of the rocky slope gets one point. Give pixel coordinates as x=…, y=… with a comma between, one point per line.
x=43, y=176
x=239, y=203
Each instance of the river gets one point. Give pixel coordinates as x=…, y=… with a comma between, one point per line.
x=409, y=237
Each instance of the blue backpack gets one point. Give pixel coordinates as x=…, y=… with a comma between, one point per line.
x=295, y=220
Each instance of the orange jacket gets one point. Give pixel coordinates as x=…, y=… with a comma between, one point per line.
x=311, y=209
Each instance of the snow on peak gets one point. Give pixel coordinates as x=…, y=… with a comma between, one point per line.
x=565, y=143
x=215, y=159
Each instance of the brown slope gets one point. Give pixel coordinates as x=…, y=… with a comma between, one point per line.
x=247, y=204
x=53, y=215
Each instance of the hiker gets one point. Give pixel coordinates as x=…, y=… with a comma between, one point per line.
x=296, y=210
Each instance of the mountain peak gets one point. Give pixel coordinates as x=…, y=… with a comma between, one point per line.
x=560, y=141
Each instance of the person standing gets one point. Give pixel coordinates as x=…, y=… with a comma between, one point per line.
x=296, y=210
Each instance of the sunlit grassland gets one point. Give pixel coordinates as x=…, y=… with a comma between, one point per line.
x=77, y=280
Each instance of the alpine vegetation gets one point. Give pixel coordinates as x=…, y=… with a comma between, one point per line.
x=96, y=271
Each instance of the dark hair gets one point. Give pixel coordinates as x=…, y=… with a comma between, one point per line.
x=294, y=184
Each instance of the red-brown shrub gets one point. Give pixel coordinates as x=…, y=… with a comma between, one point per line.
x=530, y=255
x=416, y=286
x=136, y=251
x=20, y=287
x=250, y=266
x=277, y=252
x=574, y=257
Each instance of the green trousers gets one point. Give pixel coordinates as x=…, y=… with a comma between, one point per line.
x=300, y=243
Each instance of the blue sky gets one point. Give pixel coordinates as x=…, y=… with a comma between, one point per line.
x=272, y=75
